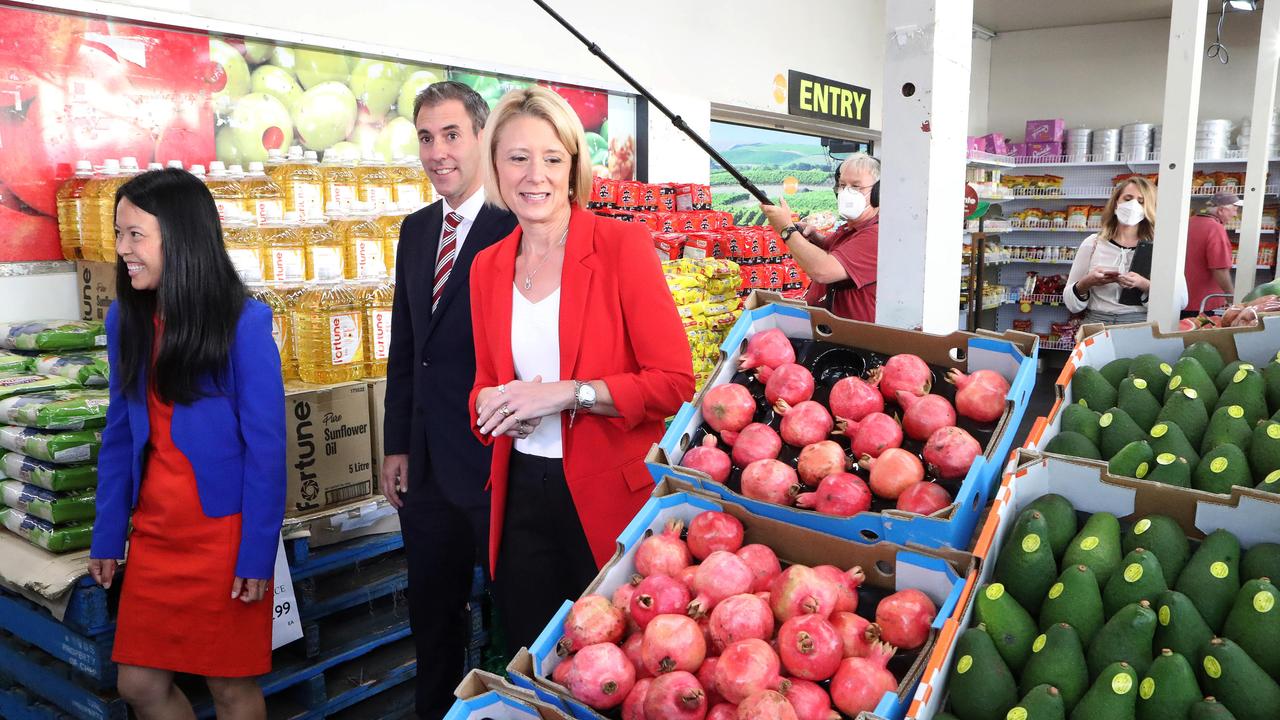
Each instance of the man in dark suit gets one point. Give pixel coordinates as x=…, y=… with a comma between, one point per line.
x=435, y=469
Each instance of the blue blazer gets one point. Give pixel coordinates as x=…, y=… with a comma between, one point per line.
x=233, y=436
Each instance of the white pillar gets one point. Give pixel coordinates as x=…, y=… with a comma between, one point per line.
x=1264, y=95
x=1177, y=147
x=926, y=114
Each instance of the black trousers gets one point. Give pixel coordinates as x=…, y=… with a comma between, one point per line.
x=544, y=558
x=443, y=543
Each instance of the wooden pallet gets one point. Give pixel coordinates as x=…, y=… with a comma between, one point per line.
x=41, y=675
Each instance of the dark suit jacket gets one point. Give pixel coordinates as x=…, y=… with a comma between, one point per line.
x=432, y=364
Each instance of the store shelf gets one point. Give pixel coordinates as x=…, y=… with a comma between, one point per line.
x=1066, y=344
x=1053, y=229
x=971, y=227
x=1034, y=299
x=1103, y=192
x=1041, y=262
x=1231, y=157
x=985, y=159
x=1263, y=231
x=1259, y=267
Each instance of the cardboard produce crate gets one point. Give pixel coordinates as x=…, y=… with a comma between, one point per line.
x=1013, y=355
x=96, y=283
x=327, y=436
x=939, y=574
x=1090, y=491
x=482, y=695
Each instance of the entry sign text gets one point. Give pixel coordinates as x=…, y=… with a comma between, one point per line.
x=815, y=97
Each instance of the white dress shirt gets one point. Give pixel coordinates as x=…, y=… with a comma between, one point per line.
x=469, y=210
x=535, y=350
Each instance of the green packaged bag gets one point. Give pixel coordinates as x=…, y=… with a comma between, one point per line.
x=12, y=384
x=16, y=466
x=52, y=335
x=46, y=504
x=56, y=409
x=44, y=533
x=88, y=369
x=59, y=446
x=11, y=362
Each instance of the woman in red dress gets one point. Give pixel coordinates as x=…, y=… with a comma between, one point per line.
x=193, y=453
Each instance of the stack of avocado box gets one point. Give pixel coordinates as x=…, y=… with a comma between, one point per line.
x=53, y=405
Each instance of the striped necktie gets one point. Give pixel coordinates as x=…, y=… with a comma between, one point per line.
x=444, y=258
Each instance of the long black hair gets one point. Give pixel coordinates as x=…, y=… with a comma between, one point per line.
x=199, y=296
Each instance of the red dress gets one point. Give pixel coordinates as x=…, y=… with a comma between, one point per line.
x=176, y=611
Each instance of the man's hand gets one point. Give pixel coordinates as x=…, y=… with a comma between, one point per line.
x=779, y=216
x=248, y=590
x=103, y=571
x=395, y=478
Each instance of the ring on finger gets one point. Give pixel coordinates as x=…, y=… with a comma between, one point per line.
x=502, y=388
x=505, y=410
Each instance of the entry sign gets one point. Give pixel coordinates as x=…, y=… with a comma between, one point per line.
x=816, y=97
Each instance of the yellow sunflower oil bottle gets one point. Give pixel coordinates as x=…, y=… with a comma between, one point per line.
x=377, y=185
x=341, y=183
x=279, y=319
x=227, y=194
x=390, y=224
x=326, y=256
x=91, y=210
x=376, y=300
x=286, y=250
x=327, y=331
x=303, y=185
x=262, y=197
x=364, y=243
x=290, y=293
x=107, y=207
x=70, y=197
x=244, y=246
x=276, y=160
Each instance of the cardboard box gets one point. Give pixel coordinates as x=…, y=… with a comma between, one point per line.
x=485, y=695
x=939, y=574
x=97, y=285
x=356, y=519
x=1049, y=151
x=1046, y=131
x=1012, y=354
x=1090, y=490
x=377, y=416
x=327, y=436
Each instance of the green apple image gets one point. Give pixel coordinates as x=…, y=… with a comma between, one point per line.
x=257, y=52
x=224, y=147
x=284, y=58
x=325, y=114
x=278, y=82
x=414, y=84
x=314, y=67
x=489, y=87
x=365, y=136
x=230, y=78
x=259, y=122
x=398, y=139
x=343, y=151
x=376, y=83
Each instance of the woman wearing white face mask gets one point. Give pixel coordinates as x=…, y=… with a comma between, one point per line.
x=1109, y=279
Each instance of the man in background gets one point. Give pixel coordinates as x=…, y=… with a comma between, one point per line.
x=1208, y=264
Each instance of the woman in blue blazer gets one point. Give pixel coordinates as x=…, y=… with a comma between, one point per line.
x=193, y=454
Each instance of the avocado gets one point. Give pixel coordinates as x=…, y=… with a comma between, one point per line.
x=1270, y=483
x=1254, y=623
x=1134, y=460
x=1140, y=578
x=1154, y=370
x=1264, y=450
x=1113, y=695
x=1179, y=626
x=1091, y=389
x=1057, y=658
x=1248, y=390
x=1074, y=445
x=1211, y=577
x=1074, y=600
x=1042, y=702
x=1227, y=426
x=1080, y=419
x=1271, y=377
x=1188, y=373
x=1118, y=430
x=1026, y=567
x=1206, y=355
x=1261, y=560
x=1127, y=637
x=1230, y=675
x=1210, y=709
x=1169, y=689
x=1135, y=399
x=1116, y=370
x=1097, y=545
x=1162, y=535
x=1183, y=407
x=1223, y=378
x=1168, y=437
x=1011, y=627
x=982, y=688
x=1060, y=517
x=1221, y=469
x=1171, y=470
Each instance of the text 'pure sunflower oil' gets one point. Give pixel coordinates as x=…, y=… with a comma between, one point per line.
x=286, y=250
x=376, y=299
x=279, y=320
x=244, y=246
x=69, y=198
x=327, y=331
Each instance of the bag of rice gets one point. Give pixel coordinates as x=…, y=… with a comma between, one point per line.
x=59, y=446
x=89, y=369
x=12, y=384
x=46, y=534
x=16, y=466
x=46, y=504
x=53, y=335
x=56, y=409
x=14, y=363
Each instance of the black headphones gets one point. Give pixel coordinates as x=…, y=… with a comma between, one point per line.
x=875, y=189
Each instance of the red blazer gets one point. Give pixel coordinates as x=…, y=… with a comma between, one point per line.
x=618, y=323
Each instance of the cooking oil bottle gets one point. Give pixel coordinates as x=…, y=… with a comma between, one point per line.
x=286, y=250
x=291, y=293
x=263, y=198
x=340, y=181
x=390, y=224
x=175, y=164
x=107, y=207
x=70, y=196
x=227, y=193
x=90, y=200
x=377, y=184
x=279, y=318
x=198, y=171
x=363, y=241
x=275, y=161
x=327, y=331
x=326, y=258
x=244, y=246
x=376, y=300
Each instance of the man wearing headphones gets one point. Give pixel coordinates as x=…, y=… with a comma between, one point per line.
x=842, y=264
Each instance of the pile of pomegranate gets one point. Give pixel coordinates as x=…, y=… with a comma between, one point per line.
x=713, y=628
x=824, y=478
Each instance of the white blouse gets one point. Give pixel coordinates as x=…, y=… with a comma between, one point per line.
x=535, y=349
x=1106, y=298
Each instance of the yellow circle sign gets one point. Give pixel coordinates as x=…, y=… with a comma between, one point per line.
x=1133, y=573
x=1218, y=464
x=1105, y=420
x=1089, y=543
x=1166, y=458
x=964, y=664
x=1211, y=667
x=1191, y=393
x=1121, y=684
x=1031, y=543
x=1158, y=432
x=1142, y=470
x=995, y=591
x=1272, y=477
x=1147, y=688
x=1264, y=601
x=1241, y=374
x=1273, y=431
x=780, y=89
x=1166, y=369
x=790, y=185
x=1055, y=591
x=1175, y=382
x=1235, y=411
x=1140, y=383
x=1142, y=525
x=1038, y=645
x=1219, y=570
x=1017, y=714
x=1164, y=615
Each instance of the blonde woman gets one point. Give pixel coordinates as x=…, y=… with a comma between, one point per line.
x=1111, y=277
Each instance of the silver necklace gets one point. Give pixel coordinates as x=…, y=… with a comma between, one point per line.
x=528, y=277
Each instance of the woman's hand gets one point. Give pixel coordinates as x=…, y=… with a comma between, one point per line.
x=1134, y=280
x=502, y=410
x=248, y=590
x=103, y=571
x=779, y=216
x=1097, y=276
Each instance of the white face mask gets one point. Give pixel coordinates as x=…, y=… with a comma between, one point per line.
x=1130, y=212
x=852, y=203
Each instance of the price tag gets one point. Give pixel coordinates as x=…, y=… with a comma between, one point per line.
x=286, y=624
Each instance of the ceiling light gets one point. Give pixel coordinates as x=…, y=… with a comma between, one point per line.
x=1243, y=5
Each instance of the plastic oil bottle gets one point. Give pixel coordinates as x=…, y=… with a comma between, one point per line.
x=290, y=293
x=70, y=196
x=175, y=164
x=364, y=244
x=227, y=193
x=407, y=191
x=376, y=299
x=279, y=319
x=377, y=185
x=244, y=246
x=275, y=161
x=390, y=224
x=326, y=256
x=90, y=200
x=286, y=250
x=263, y=198
x=327, y=330
x=198, y=171
x=341, y=183
x=107, y=207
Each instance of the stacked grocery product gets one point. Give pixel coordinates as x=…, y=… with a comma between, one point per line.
x=52, y=406
x=706, y=296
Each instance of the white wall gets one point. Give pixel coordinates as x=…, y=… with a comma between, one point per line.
x=979, y=86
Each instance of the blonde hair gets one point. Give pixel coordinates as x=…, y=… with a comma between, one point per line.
x=1146, y=228
x=546, y=105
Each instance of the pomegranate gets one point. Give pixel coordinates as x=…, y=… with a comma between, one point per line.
x=757, y=441
x=904, y=618
x=800, y=590
x=709, y=459
x=810, y=701
x=763, y=563
x=675, y=696
x=721, y=575
x=925, y=498
x=789, y=383
x=843, y=494
x=723, y=711
x=804, y=423
x=664, y=553
x=707, y=679
x=923, y=414
x=728, y=407
x=713, y=530
x=560, y=675
x=903, y=372
x=980, y=396
x=738, y=618
x=658, y=595
x=633, y=706
x=672, y=642
x=769, y=480
x=601, y=676
x=766, y=705
x=622, y=596
x=856, y=633
x=861, y=682
x=687, y=575
x=893, y=472
x=768, y=349
x=747, y=667
x=819, y=460
x=631, y=646
x=873, y=435
x=951, y=452
x=847, y=584
x=809, y=647
x=854, y=398
x=592, y=619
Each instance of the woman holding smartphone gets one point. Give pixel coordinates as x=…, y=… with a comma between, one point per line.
x=1110, y=279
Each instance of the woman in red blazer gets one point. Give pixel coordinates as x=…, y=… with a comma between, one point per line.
x=580, y=355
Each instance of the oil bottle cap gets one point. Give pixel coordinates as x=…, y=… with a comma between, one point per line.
x=155, y=166
x=236, y=170
x=217, y=168
x=111, y=165
x=309, y=156
x=84, y=166
x=197, y=170
x=295, y=152
x=129, y=163
x=175, y=164
x=255, y=168
x=274, y=154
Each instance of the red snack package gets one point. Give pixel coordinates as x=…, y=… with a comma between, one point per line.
x=774, y=276
x=700, y=246
x=773, y=249
x=758, y=277
x=792, y=269
x=629, y=195
x=686, y=197
x=686, y=222
x=649, y=219
x=706, y=221
x=604, y=192
x=649, y=197
x=666, y=222
x=702, y=197
x=724, y=220
x=670, y=246
x=733, y=246
x=667, y=203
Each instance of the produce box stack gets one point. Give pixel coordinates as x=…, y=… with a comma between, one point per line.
x=706, y=296
x=53, y=404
